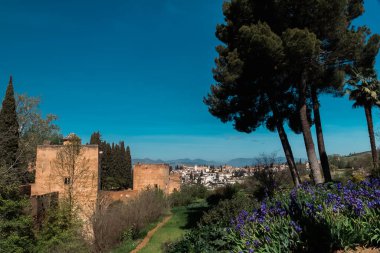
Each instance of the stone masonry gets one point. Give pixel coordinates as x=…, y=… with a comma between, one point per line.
x=154, y=176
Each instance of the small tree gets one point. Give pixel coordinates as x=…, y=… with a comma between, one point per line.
x=71, y=167
x=34, y=130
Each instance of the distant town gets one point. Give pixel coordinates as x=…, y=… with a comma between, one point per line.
x=218, y=176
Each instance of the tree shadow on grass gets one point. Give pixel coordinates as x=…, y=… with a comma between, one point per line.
x=194, y=214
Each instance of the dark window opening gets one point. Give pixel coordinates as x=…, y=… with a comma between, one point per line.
x=67, y=180
x=156, y=186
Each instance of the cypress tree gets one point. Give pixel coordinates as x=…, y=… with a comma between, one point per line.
x=123, y=167
x=9, y=128
x=106, y=166
x=116, y=164
x=129, y=167
x=95, y=138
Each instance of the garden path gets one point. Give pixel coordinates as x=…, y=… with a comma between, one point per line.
x=150, y=234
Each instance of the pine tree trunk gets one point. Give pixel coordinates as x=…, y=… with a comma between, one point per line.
x=320, y=140
x=288, y=154
x=308, y=138
x=368, y=114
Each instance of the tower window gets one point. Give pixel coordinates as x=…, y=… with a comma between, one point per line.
x=67, y=180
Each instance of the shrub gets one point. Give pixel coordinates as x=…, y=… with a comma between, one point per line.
x=187, y=194
x=221, y=214
x=16, y=227
x=226, y=192
x=312, y=219
x=266, y=182
x=61, y=232
x=208, y=239
x=210, y=235
x=125, y=221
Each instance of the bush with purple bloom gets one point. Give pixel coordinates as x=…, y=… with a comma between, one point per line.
x=326, y=217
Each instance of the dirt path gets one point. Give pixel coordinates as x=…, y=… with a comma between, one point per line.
x=150, y=234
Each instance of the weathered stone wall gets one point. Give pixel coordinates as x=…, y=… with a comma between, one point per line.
x=40, y=204
x=174, y=182
x=151, y=175
x=50, y=178
x=112, y=196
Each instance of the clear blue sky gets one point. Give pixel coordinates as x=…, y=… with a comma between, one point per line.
x=138, y=71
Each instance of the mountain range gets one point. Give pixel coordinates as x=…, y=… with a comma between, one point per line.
x=237, y=162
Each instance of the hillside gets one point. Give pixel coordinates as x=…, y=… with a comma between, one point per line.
x=354, y=160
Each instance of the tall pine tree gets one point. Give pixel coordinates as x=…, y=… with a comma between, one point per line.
x=9, y=128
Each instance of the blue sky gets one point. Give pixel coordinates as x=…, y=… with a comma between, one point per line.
x=138, y=71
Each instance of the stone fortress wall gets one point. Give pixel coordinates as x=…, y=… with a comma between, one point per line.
x=49, y=180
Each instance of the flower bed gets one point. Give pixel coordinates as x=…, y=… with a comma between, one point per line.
x=312, y=219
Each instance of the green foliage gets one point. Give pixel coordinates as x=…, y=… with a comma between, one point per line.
x=61, y=232
x=211, y=235
x=208, y=239
x=9, y=129
x=221, y=214
x=257, y=80
x=187, y=194
x=362, y=160
x=311, y=219
x=222, y=193
x=306, y=219
x=34, y=130
x=116, y=164
x=16, y=234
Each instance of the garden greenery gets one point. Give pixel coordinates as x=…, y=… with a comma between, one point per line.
x=308, y=218
x=312, y=219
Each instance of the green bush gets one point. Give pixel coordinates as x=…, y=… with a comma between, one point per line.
x=226, y=192
x=187, y=194
x=61, y=232
x=211, y=233
x=16, y=227
x=265, y=182
x=306, y=219
x=207, y=239
x=312, y=219
x=221, y=214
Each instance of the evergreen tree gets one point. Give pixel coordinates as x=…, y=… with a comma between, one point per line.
x=128, y=160
x=106, y=166
x=9, y=129
x=116, y=164
x=16, y=227
x=262, y=41
x=95, y=138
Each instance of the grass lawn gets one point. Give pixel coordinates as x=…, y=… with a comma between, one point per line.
x=128, y=246
x=184, y=218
